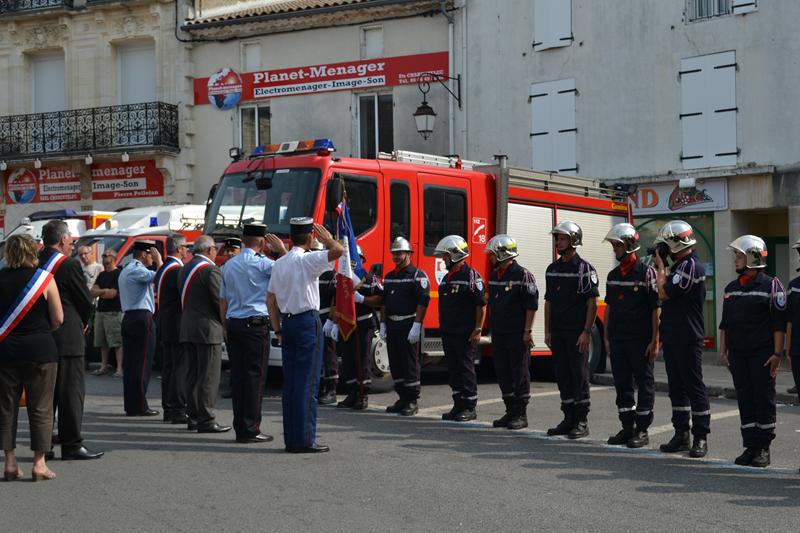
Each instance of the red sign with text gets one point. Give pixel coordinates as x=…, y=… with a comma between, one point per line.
x=135, y=179
x=351, y=75
x=33, y=186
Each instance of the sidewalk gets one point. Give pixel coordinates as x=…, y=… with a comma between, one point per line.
x=717, y=378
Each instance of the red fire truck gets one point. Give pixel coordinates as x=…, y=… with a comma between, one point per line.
x=422, y=198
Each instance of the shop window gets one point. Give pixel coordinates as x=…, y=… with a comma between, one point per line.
x=371, y=42
x=400, y=210
x=553, y=128
x=254, y=127
x=445, y=214
x=362, y=200
x=375, y=124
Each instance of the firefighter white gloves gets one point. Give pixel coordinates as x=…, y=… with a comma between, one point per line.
x=382, y=332
x=335, y=333
x=326, y=329
x=413, y=335
x=359, y=298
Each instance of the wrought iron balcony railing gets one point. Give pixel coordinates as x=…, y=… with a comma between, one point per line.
x=18, y=6
x=151, y=125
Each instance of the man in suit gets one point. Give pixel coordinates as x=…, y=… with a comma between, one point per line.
x=201, y=335
x=77, y=304
x=168, y=322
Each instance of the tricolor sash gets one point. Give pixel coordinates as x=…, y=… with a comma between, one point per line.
x=171, y=264
x=203, y=263
x=54, y=263
x=17, y=311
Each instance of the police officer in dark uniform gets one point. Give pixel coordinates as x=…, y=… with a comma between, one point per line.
x=330, y=364
x=793, y=326
x=570, y=310
x=460, y=292
x=631, y=335
x=513, y=301
x=751, y=337
x=406, y=294
x=233, y=247
x=357, y=347
x=682, y=290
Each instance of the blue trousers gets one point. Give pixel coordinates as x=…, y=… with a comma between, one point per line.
x=302, y=363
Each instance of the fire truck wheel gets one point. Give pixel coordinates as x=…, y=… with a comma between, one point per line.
x=597, y=352
x=381, y=377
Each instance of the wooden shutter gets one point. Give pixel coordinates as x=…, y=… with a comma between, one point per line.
x=552, y=24
x=740, y=7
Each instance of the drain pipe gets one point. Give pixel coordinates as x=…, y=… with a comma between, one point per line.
x=451, y=110
x=501, y=209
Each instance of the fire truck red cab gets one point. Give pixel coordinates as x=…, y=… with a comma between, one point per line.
x=422, y=198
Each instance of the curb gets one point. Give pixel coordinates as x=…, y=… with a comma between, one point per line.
x=713, y=390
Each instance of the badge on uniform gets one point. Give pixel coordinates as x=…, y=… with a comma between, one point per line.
x=423, y=282
x=508, y=287
x=593, y=277
x=780, y=299
x=479, y=285
x=676, y=279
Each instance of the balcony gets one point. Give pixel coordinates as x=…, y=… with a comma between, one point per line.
x=151, y=126
x=23, y=6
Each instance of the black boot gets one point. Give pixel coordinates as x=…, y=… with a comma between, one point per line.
x=622, y=437
x=563, y=427
x=519, y=419
x=505, y=419
x=328, y=398
x=397, y=407
x=409, y=409
x=761, y=460
x=640, y=439
x=699, y=448
x=678, y=443
x=580, y=430
x=449, y=414
x=747, y=457
x=361, y=403
x=348, y=402
x=464, y=415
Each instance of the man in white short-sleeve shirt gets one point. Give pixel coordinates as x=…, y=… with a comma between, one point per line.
x=293, y=300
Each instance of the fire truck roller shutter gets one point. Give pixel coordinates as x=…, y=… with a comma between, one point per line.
x=528, y=225
x=598, y=252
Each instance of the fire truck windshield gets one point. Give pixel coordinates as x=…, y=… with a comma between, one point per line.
x=238, y=201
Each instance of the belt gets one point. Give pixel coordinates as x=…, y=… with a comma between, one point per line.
x=301, y=313
x=400, y=318
x=367, y=317
x=253, y=321
x=325, y=311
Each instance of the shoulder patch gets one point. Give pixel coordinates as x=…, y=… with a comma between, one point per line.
x=676, y=279
x=593, y=276
x=423, y=282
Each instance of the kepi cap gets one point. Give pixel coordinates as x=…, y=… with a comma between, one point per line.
x=143, y=246
x=301, y=225
x=251, y=230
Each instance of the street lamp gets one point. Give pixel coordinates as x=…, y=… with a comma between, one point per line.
x=425, y=116
x=125, y=157
x=88, y=159
x=37, y=163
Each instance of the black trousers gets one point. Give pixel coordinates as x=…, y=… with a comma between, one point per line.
x=629, y=366
x=204, y=362
x=795, y=357
x=356, y=360
x=687, y=392
x=572, y=374
x=247, y=350
x=459, y=355
x=68, y=400
x=139, y=345
x=755, y=394
x=173, y=379
x=330, y=366
x=404, y=363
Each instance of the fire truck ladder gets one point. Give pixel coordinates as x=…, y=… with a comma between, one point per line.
x=445, y=161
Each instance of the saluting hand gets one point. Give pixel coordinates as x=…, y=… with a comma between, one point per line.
x=275, y=243
x=773, y=363
x=323, y=234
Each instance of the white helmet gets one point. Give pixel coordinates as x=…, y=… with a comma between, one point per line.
x=626, y=234
x=754, y=248
x=454, y=247
x=400, y=244
x=677, y=235
x=502, y=246
x=569, y=228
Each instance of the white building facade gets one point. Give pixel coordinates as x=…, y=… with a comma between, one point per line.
x=644, y=93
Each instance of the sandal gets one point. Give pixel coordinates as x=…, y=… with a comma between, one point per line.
x=43, y=476
x=13, y=475
x=117, y=374
x=101, y=372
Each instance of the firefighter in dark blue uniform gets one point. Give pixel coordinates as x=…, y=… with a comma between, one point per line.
x=682, y=290
x=751, y=337
x=570, y=310
x=405, y=294
x=330, y=363
x=793, y=326
x=462, y=309
x=357, y=348
x=513, y=301
x=631, y=335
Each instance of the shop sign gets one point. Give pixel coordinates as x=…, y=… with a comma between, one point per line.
x=660, y=198
x=135, y=179
x=33, y=186
x=347, y=76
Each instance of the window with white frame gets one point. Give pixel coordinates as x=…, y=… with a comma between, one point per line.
x=251, y=57
x=552, y=24
x=704, y=9
x=375, y=124
x=371, y=42
x=553, y=130
x=708, y=111
x=254, y=127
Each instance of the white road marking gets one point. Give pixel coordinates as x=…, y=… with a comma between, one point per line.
x=441, y=408
x=666, y=428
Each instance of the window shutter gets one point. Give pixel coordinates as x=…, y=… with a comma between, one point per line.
x=137, y=74
x=542, y=135
x=740, y=7
x=693, y=127
x=552, y=24
x=565, y=131
x=251, y=57
x=48, y=83
x=721, y=87
x=372, y=45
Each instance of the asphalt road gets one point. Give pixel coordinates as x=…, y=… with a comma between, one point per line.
x=390, y=473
